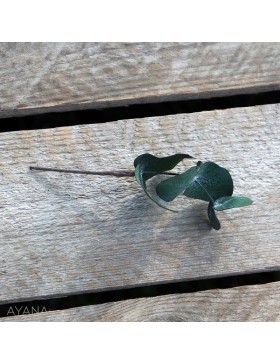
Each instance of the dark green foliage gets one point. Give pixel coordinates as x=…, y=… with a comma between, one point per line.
x=230, y=202
x=205, y=181
x=147, y=166
x=150, y=165
x=212, y=217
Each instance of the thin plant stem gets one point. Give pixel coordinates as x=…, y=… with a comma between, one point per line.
x=101, y=173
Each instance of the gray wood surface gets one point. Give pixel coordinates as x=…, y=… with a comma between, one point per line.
x=247, y=303
x=63, y=234
x=39, y=77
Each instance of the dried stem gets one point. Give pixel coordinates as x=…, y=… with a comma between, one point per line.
x=101, y=173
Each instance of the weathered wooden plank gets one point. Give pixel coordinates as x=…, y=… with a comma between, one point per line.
x=64, y=233
x=247, y=303
x=39, y=77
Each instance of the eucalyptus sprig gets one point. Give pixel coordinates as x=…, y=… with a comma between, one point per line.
x=204, y=181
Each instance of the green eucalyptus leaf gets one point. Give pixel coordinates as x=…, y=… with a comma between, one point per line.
x=230, y=202
x=151, y=165
x=212, y=217
x=205, y=181
x=141, y=181
x=172, y=187
x=147, y=166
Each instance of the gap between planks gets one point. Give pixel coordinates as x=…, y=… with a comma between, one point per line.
x=92, y=116
x=247, y=303
x=91, y=298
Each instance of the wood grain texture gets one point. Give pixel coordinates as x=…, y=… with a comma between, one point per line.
x=247, y=303
x=40, y=77
x=63, y=234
